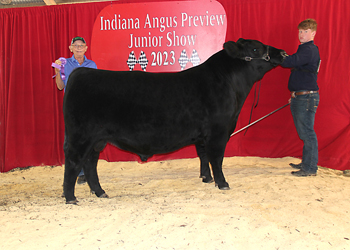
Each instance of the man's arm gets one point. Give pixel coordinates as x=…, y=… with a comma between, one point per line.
x=59, y=81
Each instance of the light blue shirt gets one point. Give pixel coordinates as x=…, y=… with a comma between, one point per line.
x=72, y=63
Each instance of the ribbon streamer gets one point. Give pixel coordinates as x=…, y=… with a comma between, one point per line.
x=60, y=67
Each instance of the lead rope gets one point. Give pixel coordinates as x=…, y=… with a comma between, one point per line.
x=257, y=101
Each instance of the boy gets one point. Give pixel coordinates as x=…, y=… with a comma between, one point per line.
x=304, y=95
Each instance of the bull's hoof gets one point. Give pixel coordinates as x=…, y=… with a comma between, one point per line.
x=104, y=195
x=224, y=186
x=207, y=179
x=73, y=202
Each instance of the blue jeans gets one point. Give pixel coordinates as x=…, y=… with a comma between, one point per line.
x=81, y=173
x=303, y=108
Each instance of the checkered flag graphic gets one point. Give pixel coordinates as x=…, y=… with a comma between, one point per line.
x=132, y=61
x=195, y=60
x=183, y=60
x=143, y=61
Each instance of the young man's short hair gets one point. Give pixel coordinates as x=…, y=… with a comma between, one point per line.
x=308, y=24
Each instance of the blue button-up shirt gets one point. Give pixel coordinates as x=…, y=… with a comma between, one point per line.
x=72, y=63
x=305, y=63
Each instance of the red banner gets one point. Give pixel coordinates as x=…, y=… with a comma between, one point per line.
x=157, y=36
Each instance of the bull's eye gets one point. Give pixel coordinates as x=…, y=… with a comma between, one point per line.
x=255, y=50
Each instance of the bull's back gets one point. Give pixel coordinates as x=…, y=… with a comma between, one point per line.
x=111, y=93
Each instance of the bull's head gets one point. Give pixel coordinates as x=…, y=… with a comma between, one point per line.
x=250, y=50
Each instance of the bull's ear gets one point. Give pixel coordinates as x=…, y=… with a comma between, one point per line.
x=231, y=48
x=240, y=40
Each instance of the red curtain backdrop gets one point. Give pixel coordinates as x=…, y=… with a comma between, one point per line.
x=31, y=120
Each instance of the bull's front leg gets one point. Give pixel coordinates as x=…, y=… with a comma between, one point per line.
x=215, y=150
x=219, y=177
x=204, y=162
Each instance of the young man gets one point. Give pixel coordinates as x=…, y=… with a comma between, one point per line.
x=78, y=48
x=304, y=95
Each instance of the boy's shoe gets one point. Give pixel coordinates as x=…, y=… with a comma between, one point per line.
x=303, y=173
x=81, y=179
x=297, y=166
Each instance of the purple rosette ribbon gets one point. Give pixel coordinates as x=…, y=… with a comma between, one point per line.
x=60, y=67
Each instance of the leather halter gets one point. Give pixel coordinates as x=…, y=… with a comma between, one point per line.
x=265, y=56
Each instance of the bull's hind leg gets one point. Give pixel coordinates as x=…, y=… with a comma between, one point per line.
x=74, y=161
x=90, y=170
x=74, y=164
x=71, y=172
x=205, y=169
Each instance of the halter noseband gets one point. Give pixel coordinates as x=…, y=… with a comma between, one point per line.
x=265, y=56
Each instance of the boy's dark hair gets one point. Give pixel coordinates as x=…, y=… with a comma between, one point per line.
x=308, y=24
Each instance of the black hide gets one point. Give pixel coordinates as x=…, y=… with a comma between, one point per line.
x=155, y=113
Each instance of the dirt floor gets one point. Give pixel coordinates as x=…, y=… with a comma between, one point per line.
x=164, y=205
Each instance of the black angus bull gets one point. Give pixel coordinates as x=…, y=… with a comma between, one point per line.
x=155, y=113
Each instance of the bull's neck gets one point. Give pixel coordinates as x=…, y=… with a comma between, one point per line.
x=249, y=76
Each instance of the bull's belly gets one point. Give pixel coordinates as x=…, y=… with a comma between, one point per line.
x=146, y=147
